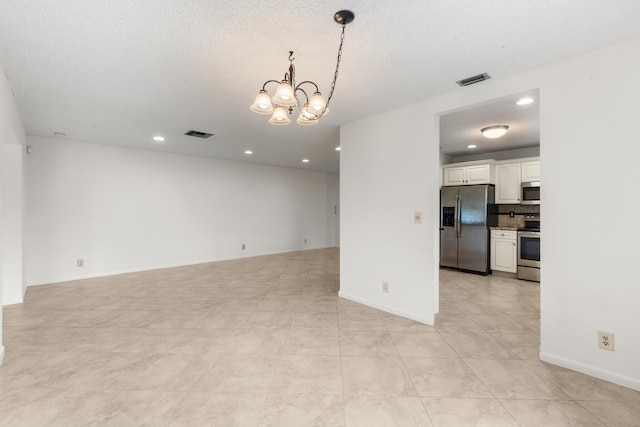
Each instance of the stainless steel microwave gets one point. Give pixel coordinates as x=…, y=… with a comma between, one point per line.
x=530, y=193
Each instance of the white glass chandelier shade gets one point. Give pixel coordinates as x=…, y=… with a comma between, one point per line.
x=306, y=112
x=306, y=120
x=284, y=95
x=317, y=103
x=494, y=131
x=309, y=114
x=262, y=103
x=279, y=116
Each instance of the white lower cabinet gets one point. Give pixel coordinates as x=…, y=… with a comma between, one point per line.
x=504, y=250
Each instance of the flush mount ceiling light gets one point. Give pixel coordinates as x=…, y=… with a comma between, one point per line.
x=494, y=131
x=472, y=146
x=287, y=93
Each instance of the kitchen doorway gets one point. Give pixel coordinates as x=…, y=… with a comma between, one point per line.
x=471, y=157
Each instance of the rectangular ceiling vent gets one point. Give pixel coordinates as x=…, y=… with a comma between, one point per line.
x=197, y=134
x=474, y=79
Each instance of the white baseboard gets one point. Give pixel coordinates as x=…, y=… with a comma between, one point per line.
x=13, y=301
x=95, y=275
x=593, y=371
x=409, y=315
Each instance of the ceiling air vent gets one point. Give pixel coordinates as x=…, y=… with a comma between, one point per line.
x=197, y=134
x=474, y=79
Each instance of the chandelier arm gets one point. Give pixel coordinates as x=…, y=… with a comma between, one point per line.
x=298, y=86
x=264, y=86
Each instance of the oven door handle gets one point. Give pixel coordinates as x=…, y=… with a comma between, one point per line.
x=533, y=234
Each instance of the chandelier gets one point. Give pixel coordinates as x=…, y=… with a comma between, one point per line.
x=289, y=94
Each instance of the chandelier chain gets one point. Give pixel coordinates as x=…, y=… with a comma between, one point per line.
x=335, y=74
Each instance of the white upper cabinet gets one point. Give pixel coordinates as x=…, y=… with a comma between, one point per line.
x=510, y=174
x=531, y=171
x=508, y=183
x=468, y=174
x=454, y=176
x=480, y=174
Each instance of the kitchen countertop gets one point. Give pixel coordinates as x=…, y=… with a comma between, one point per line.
x=504, y=228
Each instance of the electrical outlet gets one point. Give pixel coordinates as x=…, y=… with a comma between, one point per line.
x=385, y=287
x=606, y=341
x=417, y=217
x=243, y=247
x=80, y=263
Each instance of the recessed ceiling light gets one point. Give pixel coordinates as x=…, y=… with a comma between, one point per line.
x=158, y=138
x=525, y=101
x=248, y=152
x=337, y=148
x=305, y=160
x=472, y=146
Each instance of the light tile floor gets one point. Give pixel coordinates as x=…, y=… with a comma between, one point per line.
x=266, y=342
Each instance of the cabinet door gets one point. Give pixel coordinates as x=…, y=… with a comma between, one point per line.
x=454, y=176
x=508, y=183
x=531, y=171
x=479, y=174
x=503, y=256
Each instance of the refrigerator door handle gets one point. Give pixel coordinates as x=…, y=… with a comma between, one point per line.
x=457, y=217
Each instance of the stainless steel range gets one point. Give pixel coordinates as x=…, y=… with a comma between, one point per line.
x=529, y=249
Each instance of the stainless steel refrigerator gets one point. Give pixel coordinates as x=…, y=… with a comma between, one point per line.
x=466, y=213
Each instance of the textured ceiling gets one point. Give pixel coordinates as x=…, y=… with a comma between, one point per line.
x=460, y=129
x=119, y=72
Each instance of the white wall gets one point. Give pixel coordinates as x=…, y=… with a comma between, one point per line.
x=445, y=158
x=518, y=153
x=590, y=173
x=389, y=170
x=333, y=209
x=2, y=203
x=12, y=215
x=11, y=196
x=128, y=210
x=589, y=156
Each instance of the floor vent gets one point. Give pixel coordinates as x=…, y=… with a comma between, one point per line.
x=197, y=134
x=474, y=79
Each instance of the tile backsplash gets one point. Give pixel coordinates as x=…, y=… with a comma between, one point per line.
x=504, y=220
